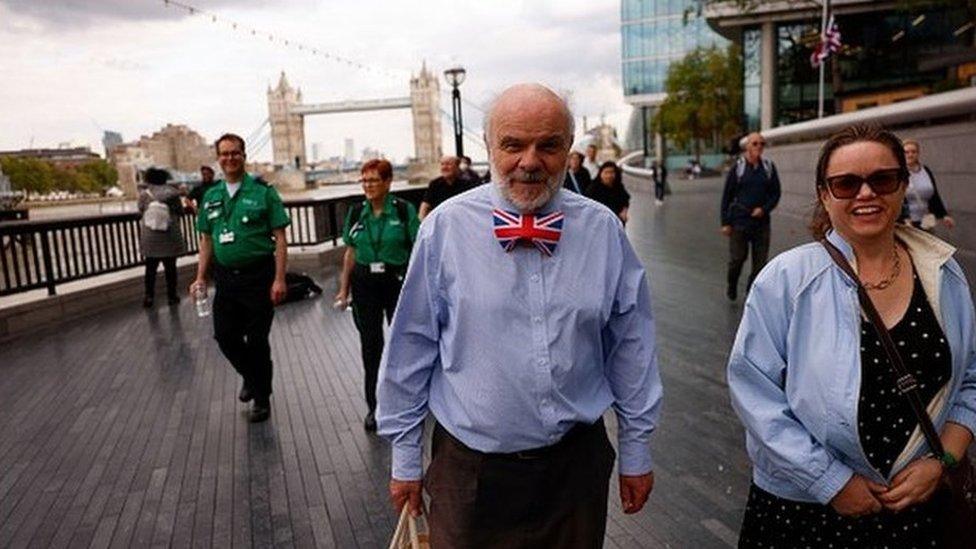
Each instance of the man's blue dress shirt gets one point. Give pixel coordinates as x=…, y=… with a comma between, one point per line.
x=509, y=350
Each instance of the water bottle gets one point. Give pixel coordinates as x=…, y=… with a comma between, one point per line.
x=201, y=300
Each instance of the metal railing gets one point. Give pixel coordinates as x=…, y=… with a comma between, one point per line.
x=44, y=254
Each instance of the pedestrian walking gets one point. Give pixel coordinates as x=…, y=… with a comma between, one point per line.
x=379, y=234
x=590, y=163
x=608, y=189
x=515, y=361
x=160, y=235
x=924, y=205
x=448, y=184
x=577, y=177
x=751, y=192
x=195, y=196
x=839, y=453
x=660, y=178
x=242, y=234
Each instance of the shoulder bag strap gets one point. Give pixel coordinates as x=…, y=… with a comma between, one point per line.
x=904, y=381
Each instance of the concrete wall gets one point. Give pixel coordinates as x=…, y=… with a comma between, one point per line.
x=948, y=149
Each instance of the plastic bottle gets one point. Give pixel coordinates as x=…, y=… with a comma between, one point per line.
x=201, y=300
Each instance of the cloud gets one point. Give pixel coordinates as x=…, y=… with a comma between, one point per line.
x=62, y=14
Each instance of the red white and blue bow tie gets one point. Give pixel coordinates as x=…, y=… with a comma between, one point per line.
x=543, y=231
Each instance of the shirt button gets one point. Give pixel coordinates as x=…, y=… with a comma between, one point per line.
x=534, y=278
x=537, y=320
x=542, y=362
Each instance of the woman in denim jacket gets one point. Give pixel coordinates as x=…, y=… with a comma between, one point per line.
x=838, y=457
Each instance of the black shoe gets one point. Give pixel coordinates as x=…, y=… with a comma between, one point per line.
x=369, y=423
x=260, y=411
x=147, y=302
x=245, y=395
x=732, y=293
x=174, y=300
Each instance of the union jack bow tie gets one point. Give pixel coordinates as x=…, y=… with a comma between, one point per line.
x=543, y=231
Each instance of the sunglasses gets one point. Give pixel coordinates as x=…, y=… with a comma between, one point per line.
x=845, y=187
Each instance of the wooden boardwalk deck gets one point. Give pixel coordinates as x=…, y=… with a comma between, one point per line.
x=124, y=430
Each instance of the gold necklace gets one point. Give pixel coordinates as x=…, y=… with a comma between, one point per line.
x=890, y=279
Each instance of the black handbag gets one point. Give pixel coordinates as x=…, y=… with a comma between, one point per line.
x=958, y=490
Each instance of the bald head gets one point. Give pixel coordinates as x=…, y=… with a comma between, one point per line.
x=528, y=101
x=528, y=134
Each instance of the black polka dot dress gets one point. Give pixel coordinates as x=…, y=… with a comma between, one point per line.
x=885, y=423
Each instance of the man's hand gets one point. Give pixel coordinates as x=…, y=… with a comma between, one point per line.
x=634, y=491
x=757, y=212
x=199, y=281
x=406, y=492
x=727, y=230
x=859, y=497
x=913, y=484
x=949, y=222
x=278, y=291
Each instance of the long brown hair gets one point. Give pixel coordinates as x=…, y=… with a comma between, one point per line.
x=872, y=133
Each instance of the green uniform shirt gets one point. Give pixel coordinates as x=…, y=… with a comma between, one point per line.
x=381, y=239
x=240, y=227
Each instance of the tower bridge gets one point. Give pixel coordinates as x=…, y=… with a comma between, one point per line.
x=287, y=112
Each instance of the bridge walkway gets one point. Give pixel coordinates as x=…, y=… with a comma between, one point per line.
x=124, y=429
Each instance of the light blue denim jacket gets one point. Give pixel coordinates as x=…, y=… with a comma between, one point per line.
x=795, y=368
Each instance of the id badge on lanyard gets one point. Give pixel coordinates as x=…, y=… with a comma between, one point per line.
x=226, y=237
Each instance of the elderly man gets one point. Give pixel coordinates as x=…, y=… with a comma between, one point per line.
x=450, y=183
x=751, y=192
x=525, y=315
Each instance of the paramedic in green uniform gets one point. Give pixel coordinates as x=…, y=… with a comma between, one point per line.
x=379, y=233
x=242, y=232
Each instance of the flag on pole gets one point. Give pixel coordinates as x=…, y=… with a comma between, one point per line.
x=829, y=43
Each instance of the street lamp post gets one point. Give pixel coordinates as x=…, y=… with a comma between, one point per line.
x=455, y=77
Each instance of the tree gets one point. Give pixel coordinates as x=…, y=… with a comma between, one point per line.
x=37, y=176
x=704, y=98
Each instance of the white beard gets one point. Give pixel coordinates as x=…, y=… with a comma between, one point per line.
x=527, y=205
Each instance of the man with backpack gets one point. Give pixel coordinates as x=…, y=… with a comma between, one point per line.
x=379, y=234
x=751, y=192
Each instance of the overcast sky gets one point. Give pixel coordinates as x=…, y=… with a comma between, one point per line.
x=75, y=67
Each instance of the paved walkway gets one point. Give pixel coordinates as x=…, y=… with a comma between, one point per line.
x=124, y=430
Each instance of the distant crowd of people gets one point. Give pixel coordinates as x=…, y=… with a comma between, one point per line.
x=851, y=371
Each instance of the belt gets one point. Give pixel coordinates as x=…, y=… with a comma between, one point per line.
x=247, y=268
x=577, y=432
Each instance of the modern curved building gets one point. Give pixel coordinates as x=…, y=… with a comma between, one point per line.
x=654, y=34
x=891, y=52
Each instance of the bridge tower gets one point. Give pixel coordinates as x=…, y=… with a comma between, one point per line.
x=425, y=102
x=287, y=127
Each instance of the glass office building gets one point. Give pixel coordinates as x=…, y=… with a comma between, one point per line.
x=888, y=55
x=655, y=33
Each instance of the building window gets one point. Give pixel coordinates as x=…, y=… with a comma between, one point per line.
x=752, y=77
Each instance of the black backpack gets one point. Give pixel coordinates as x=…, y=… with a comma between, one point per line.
x=402, y=213
x=300, y=286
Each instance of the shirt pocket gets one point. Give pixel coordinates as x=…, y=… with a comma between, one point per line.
x=251, y=217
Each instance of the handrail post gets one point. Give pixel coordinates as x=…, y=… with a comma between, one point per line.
x=333, y=223
x=48, y=263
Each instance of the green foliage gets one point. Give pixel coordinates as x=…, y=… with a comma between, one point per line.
x=704, y=97
x=37, y=176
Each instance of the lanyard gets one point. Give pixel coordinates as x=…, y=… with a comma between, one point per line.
x=374, y=242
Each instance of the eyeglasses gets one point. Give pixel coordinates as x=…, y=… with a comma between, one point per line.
x=758, y=144
x=881, y=182
x=370, y=181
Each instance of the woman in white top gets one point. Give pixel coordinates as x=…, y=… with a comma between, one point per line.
x=924, y=205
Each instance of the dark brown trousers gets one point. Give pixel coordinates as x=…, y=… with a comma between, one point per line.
x=553, y=497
